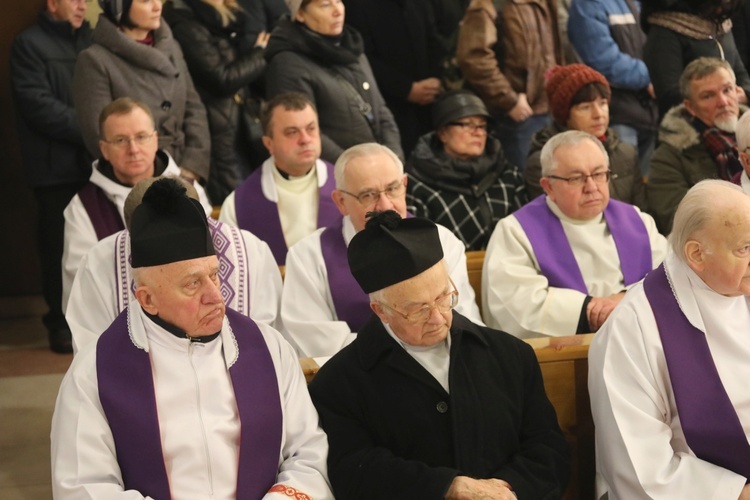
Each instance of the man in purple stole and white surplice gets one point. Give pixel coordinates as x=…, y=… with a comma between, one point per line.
x=560, y=265
x=182, y=397
x=289, y=196
x=669, y=370
x=322, y=306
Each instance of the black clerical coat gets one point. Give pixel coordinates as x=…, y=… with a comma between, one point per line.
x=395, y=433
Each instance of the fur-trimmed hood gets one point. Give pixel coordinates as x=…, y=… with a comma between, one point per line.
x=677, y=130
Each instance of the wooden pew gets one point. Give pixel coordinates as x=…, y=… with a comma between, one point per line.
x=564, y=365
x=474, y=262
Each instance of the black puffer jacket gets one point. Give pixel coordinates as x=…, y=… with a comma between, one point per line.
x=222, y=63
x=42, y=60
x=303, y=61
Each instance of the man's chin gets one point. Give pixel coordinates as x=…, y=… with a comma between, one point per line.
x=727, y=123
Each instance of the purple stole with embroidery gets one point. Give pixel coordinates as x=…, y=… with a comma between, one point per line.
x=260, y=216
x=709, y=421
x=351, y=303
x=126, y=392
x=102, y=212
x=555, y=256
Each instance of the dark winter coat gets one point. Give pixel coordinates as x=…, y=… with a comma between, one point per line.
x=303, y=61
x=42, y=60
x=222, y=71
x=395, y=433
x=467, y=196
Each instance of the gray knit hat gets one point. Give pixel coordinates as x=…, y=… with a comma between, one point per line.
x=114, y=9
x=293, y=7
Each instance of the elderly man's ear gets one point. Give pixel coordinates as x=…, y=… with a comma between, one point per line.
x=146, y=299
x=695, y=255
x=378, y=309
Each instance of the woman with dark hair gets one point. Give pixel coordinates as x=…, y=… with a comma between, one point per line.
x=223, y=61
x=134, y=55
x=680, y=31
x=579, y=100
x=458, y=175
x=315, y=53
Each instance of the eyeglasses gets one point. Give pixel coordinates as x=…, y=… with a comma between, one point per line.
x=470, y=127
x=123, y=142
x=370, y=198
x=443, y=304
x=580, y=180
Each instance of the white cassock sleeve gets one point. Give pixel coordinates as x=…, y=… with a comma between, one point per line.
x=307, y=309
x=304, y=446
x=641, y=450
x=92, y=305
x=265, y=282
x=79, y=238
x=454, y=254
x=84, y=463
x=228, y=213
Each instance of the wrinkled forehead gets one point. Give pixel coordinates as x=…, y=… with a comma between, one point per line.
x=124, y=123
x=371, y=171
x=583, y=157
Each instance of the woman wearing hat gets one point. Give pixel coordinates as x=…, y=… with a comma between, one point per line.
x=458, y=176
x=579, y=100
x=315, y=53
x=134, y=55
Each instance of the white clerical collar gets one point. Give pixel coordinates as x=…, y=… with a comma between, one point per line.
x=348, y=230
x=435, y=358
x=745, y=182
x=560, y=215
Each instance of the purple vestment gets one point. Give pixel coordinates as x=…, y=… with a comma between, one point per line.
x=100, y=209
x=555, y=256
x=260, y=216
x=126, y=392
x=351, y=303
x=709, y=421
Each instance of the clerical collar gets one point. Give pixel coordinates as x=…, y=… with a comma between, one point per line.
x=179, y=332
x=287, y=176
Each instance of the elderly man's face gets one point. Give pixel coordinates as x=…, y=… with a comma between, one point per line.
x=73, y=11
x=371, y=174
x=587, y=200
x=130, y=144
x=185, y=294
x=294, y=142
x=721, y=255
x=408, y=297
x=713, y=100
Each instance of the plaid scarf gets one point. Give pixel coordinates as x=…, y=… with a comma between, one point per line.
x=722, y=146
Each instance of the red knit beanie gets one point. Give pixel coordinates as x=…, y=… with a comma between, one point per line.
x=562, y=83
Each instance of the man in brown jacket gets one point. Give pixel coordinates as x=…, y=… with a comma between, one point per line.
x=508, y=71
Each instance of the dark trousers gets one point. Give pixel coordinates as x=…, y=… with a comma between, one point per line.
x=51, y=202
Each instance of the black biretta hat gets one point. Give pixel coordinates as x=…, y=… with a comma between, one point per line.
x=390, y=250
x=168, y=227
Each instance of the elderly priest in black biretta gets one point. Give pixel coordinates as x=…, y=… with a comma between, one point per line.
x=425, y=404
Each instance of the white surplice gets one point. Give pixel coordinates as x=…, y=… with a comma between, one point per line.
x=198, y=418
x=517, y=297
x=641, y=451
x=307, y=309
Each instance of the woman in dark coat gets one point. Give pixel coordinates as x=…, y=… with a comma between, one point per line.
x=579, y=99
x=315, y=53
x=223, y=62
x=458, y=176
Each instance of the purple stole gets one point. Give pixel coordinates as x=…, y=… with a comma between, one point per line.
x=555, y=256
x=351, y=303
x=710, y=424
x=126, y=392
x=102, y=212
x=260, y=216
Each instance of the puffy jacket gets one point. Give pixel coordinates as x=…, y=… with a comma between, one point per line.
x=303, y=61
x=623, y=161
x=608, y=37
x=498, y=70
x=221, y=70
x=42, y=60
x=117, y=66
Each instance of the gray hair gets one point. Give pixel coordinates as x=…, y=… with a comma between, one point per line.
x=742, y=131
x=135, y=196
x=701, y=68
x=567, y=138
x=695, y=211
x=359, y=151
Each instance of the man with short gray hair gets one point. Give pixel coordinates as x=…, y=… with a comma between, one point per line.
x=697, y=138
x=668, y=371
x=559, y=265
